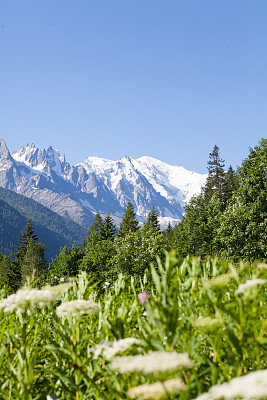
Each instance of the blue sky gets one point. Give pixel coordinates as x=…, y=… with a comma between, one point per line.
x=168, y=79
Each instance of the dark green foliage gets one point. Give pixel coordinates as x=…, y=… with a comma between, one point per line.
x=29, y=257
x=10, y=274
x=197, y=233
x=230, y=184
x=129, y=222
x=152, y=221
x=243, y=231
x=135, y=251
x=216, y=175
x=66, y=264
x=96, y=231
x=52, y=229
x=109, y=229
x=97, y=259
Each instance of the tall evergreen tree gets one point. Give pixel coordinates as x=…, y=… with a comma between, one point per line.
x=30, y=254
x=243, y=229
x=216, y=175
x=129, y=222
x=109, y=229
x=96, y=230
x=230, y=184
x=152, y=221
x=9, y=273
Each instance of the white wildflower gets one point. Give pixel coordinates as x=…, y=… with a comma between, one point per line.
x=156, y=390
x=157, y=361
x=249, y=284
x=58, y=290
x=77, y=307
x=250, y=386
x=219, y=280
x=206, y=322
x=109, y=349
x=27, y=299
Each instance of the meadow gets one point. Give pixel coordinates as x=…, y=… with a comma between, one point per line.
x=182, y=330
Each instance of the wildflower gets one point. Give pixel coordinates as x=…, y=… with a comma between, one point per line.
x=249, y=284
x=157, y=361
x=156, y=390
x=219, y=280
x=262, y=266
x=58, y=290
x=206, y=322
x=109, y=349
x=77, y=307
x=250, y=386
x=143, y=297
x=27, y=299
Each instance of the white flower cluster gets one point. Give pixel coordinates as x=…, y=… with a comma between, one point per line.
x=249, y=284
x=250, y=386
x=157, y=361
x=77, y=308
x=27, y=299
x=109, y=349
x=156, y=390
x=219, y=280
x=206, y=322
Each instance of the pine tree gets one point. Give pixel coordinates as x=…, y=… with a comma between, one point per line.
x=230, y=184
x=9, y=273
x=96, y=231
x=109, y=229
x=30, y=254
x=216, y=175
x=152, y=221
x=243, y=229
x=129, y=222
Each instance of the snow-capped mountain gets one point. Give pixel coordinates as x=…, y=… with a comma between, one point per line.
x=98, y=184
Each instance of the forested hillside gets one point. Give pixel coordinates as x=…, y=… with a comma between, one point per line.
x=227, y=220
x=53, y=230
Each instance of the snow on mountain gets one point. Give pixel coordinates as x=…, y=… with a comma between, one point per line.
x=98, y=184
x=171, y=181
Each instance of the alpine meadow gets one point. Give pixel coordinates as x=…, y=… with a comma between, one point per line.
x=140, y=305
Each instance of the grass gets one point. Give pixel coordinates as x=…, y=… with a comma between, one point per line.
x=197, y=308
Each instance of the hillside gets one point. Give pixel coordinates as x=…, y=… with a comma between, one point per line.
x=98, y=184
x=53, y=230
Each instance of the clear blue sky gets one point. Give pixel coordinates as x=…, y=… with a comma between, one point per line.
x=111, y=78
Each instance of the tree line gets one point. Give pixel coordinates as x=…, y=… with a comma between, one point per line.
x=228, y=219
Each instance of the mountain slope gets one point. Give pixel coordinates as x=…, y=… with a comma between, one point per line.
x=53, y=230
x=98, y=185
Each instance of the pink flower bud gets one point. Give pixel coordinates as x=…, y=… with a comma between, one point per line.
x=143, y=297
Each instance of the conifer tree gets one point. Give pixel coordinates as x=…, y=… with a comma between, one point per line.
x=109, y=229
x=129, y=222
x=30, y=254
x=230, y=184
x=96, y=230
x=9, y=273
x=152, y=221
x=216, y=175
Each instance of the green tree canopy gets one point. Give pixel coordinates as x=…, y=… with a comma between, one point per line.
x=129, y=222
x=109, y=229
x=152, y=221
x=29, y=257
x=216, y=175
x=243, y=231
x=96, y=230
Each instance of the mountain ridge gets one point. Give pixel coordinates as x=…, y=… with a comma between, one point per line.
x=99, y=184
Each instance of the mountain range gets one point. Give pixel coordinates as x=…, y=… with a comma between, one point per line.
x=98, y=184
x=51, y=229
